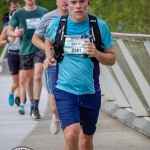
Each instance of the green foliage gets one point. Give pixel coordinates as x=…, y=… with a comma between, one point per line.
x=133, y=14
x=49, y=4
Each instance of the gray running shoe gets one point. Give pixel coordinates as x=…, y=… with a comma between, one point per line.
x=35, y=113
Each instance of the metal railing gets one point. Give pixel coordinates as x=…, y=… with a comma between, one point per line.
x=128, y=81
x=2, y=56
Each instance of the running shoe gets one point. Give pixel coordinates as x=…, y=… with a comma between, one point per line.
x=54, y=126
x=11, y=99
x=17, y=100
x=35, y=113
x=21, y=110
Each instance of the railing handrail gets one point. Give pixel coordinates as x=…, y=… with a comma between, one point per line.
x=131, y=65
x=114, y=34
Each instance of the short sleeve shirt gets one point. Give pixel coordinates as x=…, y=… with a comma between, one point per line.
x=45, y=21
x=76, y=74
x=28, y=20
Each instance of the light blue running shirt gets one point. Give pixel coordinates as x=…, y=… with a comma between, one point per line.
x=76, y=73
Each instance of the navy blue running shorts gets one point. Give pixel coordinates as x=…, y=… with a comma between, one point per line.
x=83, y=109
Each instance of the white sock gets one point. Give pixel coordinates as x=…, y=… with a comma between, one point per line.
x=11, y=93
x=21, y=104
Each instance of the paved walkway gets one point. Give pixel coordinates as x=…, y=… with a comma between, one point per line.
x=110, y=135
x=16, y=130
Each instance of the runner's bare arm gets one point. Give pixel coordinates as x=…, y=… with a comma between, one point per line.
x=38, y=42
x=3, y=37
x=107, y=57
x=49, y=54
x=11, y=32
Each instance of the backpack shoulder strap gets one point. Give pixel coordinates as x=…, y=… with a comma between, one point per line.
x=94, y=30
x=60, y=38
x=61, y=31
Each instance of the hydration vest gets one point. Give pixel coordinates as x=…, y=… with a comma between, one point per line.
x=61, y=32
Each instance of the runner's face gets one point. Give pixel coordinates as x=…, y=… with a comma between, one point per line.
x=78, y=9
x=14, y=6
x=62, y=4
x=29, y=2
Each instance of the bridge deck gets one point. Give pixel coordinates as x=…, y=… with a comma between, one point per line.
x=18, y=130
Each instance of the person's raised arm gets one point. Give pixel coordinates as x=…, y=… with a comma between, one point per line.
x=38, y=42
x=11, y=32
x=48, y=62
x=3, y=37
x=107, y=57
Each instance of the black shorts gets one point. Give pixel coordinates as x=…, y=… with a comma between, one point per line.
x=14, y=62
x=28, y=61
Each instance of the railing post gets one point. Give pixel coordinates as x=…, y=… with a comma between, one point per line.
x=2, y=56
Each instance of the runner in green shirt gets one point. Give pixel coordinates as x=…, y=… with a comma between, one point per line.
x=27, y=19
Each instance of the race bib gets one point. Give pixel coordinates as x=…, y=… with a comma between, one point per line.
x=32, y=23
x=74, y=45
